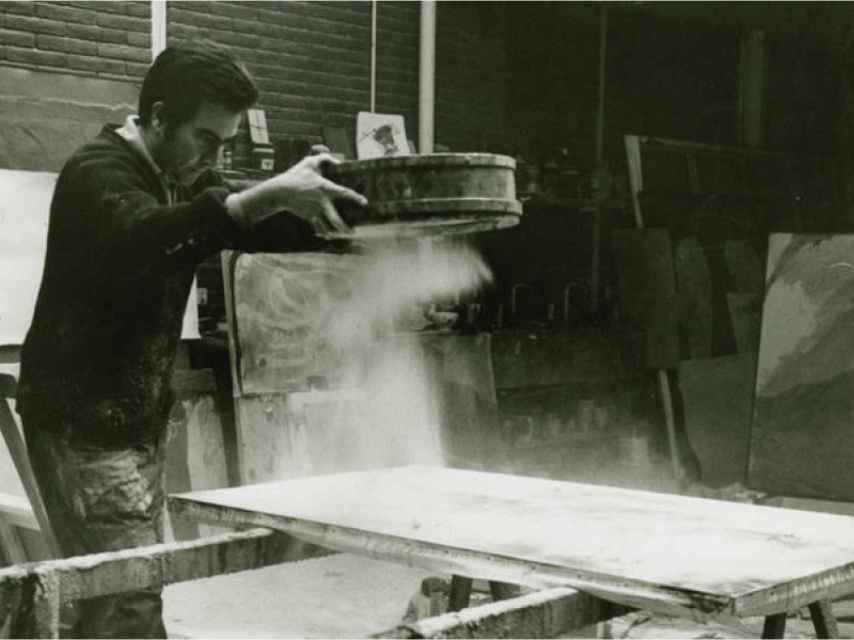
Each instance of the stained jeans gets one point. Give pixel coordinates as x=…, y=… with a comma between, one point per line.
x=99, y=500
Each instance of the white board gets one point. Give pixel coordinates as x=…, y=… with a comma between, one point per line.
x=667, y=553
x=24, y=212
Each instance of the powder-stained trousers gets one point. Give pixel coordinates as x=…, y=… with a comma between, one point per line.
x=102, y=499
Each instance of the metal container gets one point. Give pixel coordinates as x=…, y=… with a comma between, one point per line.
x=435, y=194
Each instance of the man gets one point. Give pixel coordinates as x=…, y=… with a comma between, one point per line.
x=133, y=213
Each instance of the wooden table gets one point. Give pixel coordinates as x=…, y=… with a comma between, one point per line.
x=666, y=553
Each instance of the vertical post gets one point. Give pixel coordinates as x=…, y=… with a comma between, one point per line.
x=158, y=27
x=823, y=620
x=600, y=100
x=633, y=159
x=600, y=160
x=374, y=9
x=670, y=422
x=427, y=77
x=18, y=451
x=45, y=611
x=775, y=626
x=751, y=125
x=460, y=594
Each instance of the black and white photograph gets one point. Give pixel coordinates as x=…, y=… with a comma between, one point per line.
x=426, y=319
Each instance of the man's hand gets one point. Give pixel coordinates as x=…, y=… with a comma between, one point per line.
x=301, y=190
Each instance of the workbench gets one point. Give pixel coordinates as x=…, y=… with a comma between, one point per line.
x=691, y=557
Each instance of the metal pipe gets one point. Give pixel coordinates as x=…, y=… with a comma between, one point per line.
x=374, y=8
x=751, y=89
x=427, y=77
x=600, y=160
x=158, y=27
x=600, y=102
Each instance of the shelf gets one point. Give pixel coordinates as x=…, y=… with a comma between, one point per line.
x=574, y=203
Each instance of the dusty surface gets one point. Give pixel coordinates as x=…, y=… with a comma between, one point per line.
x=640, y=548
x=341, y=596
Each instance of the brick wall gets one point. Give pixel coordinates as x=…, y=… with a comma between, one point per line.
x=398, y=29
x=104, y=39
x=311, y=60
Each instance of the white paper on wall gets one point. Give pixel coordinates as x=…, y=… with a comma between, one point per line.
x=379, y=135
x=24, y=212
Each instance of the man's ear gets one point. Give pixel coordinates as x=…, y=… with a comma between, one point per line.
x=157, y=110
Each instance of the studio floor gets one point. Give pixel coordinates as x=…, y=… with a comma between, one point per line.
x=347, y=596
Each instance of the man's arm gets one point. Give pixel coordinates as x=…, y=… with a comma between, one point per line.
x=136, y=234
x=303, y=191
x=111, y=207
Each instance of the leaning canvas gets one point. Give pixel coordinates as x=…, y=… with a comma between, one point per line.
x=802, y=437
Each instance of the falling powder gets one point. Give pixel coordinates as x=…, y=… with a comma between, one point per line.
x=386, y=409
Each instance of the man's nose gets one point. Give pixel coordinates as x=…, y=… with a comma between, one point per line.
x=213, y=155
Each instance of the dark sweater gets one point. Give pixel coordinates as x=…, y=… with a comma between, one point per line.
x=98, y=358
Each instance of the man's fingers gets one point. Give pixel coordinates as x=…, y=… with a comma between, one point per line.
x=317, y=149
x=322, y=229
x=317, y=160
x=334, y=219
x=340, y=192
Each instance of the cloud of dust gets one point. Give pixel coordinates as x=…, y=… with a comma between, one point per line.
x=395, y=279
x=397, y=419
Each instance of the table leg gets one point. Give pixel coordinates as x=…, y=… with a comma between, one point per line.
x=503, y=590
x=775, y=626
x=823, y=620
x=460, y=593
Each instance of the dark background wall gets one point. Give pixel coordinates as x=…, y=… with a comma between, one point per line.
x=472, y=76
x=515, y=78
x=510, y=77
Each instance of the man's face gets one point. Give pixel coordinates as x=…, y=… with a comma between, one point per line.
x=188, y=150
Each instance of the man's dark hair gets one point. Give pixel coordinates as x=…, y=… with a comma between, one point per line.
x=184, y=75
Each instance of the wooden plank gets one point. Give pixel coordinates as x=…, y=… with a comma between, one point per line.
x=694, y=283
x=801, y=433
x=717, y=395
x=460, y=593
x=823, y=620
x=632, y=144
x=544, y=614
x=18, y=451
x=196, y=456
x=668, y=553
x=647, y=289
x=159, y=565
x=12, y=547
x=775, y=626
x=227, y=261
x=16, y=511
x=442, y=560
x=39, y=588
x=282, y=306
x=670, y=422
x=712, y=148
